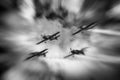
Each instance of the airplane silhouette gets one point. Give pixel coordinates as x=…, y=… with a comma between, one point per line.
x=37, y=54
x=49, y=37
x=77, y=52
x=84, y=28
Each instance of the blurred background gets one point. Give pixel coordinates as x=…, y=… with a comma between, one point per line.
x=22, y=22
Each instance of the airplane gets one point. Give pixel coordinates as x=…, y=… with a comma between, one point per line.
x=49, y=37
x=37, y=54
x=77, y=52
x=87, y=27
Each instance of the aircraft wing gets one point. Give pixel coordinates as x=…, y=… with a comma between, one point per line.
x=56, y=37
x=68, y=55
x=41, y=41
x=77, y=32
x=34, y=56
x=90, y=26
x=55, y=34
x=30, y=57
x=43, y=50
x=44, y=53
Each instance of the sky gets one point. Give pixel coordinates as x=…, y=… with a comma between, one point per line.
x=20, y=32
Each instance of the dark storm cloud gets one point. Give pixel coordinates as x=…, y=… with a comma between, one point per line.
x=8, y=5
